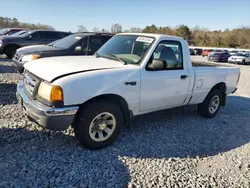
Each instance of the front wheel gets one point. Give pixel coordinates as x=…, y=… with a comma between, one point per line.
x=243, y=62
x=211, y=105
x=10, y=51
x=98, y=124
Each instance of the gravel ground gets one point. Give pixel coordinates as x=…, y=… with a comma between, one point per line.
x=172, y=148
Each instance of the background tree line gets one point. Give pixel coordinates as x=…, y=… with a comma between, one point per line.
x=235, y=38
x=197, y=36
x=6, y=22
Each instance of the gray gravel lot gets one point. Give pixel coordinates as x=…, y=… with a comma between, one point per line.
x=171, y=148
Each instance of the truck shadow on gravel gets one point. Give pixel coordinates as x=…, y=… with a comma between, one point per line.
x=178, y=133
x=7, y=93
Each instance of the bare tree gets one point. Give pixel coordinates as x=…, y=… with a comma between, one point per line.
x=135, y=30
x=126, y=31
x=96, y=30
x=82, y=28
x=105, y=31
x=116, y=28
x=13, y=22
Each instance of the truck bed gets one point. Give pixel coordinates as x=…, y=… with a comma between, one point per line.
x=208, y=64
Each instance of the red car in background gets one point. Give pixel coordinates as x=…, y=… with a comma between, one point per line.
x=10, y=31
x=206, y=52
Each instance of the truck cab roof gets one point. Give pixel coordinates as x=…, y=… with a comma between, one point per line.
x=157, y=36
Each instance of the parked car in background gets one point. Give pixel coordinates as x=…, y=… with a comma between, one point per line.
x=19, y=33
x=218, y=56
x=9, y=45
x=197, y=51
x=233, y=52
x=128, y=76
x=75, y=44
x=216, y=51
x=206, y=52
x=191, y=50
x=240, y=58
x=10, y=31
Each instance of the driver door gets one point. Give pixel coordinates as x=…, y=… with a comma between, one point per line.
x=169, y=87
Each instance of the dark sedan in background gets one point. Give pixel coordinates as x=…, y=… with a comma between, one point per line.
x=191, y=51
x=218, y=56
x=9, y=45
x=197, y=51
x=75, y=44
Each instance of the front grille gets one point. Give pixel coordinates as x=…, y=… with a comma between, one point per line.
x=31, y=84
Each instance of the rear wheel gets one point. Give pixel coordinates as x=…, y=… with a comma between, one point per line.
x=211, y=105
x=10, y=51
x=98, y=124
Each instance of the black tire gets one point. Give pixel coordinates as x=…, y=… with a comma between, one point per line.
x=243, y=62
x=87, y=114
x=10, y=51
x=203, y=108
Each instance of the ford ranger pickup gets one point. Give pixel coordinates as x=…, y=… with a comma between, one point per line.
x=130, y=75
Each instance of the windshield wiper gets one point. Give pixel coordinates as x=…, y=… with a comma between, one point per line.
x=113, y=55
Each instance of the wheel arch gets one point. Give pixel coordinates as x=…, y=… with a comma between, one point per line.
x=221, y=86
x=117, y=99
x=11, y=45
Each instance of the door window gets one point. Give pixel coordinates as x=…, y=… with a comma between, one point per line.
x=12, y=32
x=48, y=35
x=171, y=53
x=82, y=46
x=95, y=42
x=35, y=35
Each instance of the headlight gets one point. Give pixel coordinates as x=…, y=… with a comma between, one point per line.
x=49, y=92
x=30, y=57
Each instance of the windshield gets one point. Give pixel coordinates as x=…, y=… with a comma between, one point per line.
x=67, y=41
x=27, y=33
x=240, y=54
x=129, y=48
x=217, y=53
x=18, y=33
x=3, y=31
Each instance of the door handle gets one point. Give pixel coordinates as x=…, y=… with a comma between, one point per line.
x=184, y=77
x=130, y=83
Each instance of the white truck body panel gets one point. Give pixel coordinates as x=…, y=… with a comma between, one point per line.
x=204, y=81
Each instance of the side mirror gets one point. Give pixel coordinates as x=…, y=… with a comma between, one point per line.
x=78, y=48
x=158, y=64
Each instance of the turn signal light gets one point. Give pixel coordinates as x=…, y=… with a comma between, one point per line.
x=35, y=57
x=56, y=93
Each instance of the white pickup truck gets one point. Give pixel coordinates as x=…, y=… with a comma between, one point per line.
x=132, y=74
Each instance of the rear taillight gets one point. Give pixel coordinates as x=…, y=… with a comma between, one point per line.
x=238, y=78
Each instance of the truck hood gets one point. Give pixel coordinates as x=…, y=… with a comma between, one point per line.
x=37, y=49
x=53, y=67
